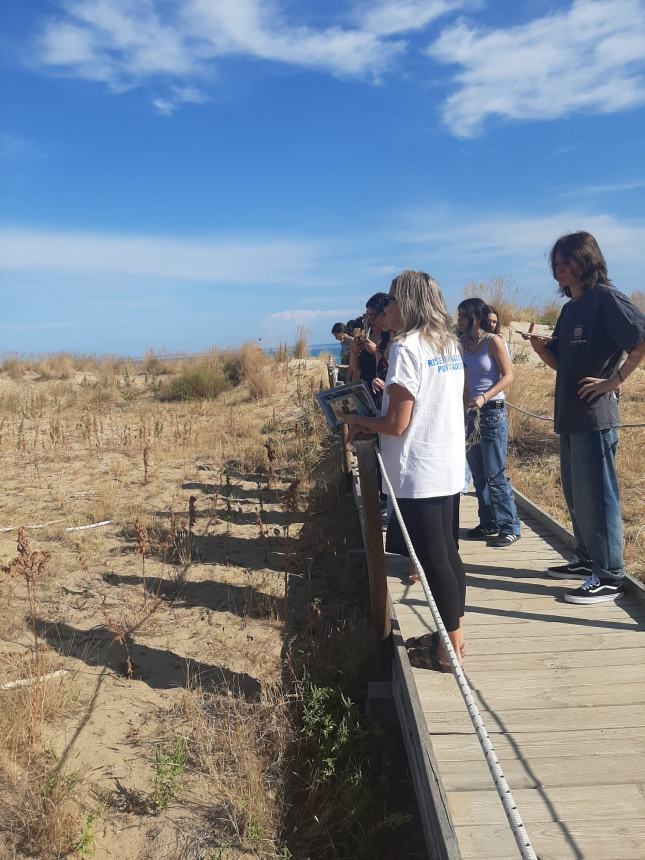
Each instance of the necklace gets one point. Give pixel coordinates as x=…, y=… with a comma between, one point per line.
x=471, y=344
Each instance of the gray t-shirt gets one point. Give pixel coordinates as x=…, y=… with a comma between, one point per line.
x=590, y=336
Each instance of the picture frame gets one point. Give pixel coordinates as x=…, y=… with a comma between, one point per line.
x=339, y=403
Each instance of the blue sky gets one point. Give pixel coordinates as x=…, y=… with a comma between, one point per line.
x=184, y=174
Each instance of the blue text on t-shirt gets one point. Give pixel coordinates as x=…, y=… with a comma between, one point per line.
x=451, y=362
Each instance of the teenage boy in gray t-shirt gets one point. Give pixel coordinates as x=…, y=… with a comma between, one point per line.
x=596, y=326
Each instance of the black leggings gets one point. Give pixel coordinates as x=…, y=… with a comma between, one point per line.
x=430, y=525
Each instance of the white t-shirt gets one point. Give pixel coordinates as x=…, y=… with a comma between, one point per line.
x=429, y=458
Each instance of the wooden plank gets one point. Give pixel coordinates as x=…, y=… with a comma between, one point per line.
x=559, y=772
x=588, y=640
x=538, y=745
x=540, y=719
x=551, y=660
x=552, y=679
x=600, y=840
x=620, y=801
x=523, y=697
x=555, y=613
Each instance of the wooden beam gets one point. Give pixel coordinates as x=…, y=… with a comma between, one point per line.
x=373, y=540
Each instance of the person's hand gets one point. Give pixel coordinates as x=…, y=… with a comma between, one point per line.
x=477, y=402
x=369, y=346
x=378, y=385
x=591, y=387
x=356, y=428
x=538, y=341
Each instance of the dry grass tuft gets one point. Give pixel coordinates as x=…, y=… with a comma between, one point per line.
x=499, y=293
x=239, y=746
x=301, y=346
x=40, y=813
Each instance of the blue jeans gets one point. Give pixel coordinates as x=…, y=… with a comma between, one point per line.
x=590, y=487
x=487, y=461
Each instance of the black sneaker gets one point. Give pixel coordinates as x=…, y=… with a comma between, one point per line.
x=570, y=570
x=595, y=590
x=481, y=533
x=504, y=540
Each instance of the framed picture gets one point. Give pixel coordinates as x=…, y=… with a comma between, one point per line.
x=338, y=403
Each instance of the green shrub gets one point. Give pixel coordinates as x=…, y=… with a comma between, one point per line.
x=201, y=382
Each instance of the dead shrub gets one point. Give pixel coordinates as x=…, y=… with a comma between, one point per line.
x=262, y=383
x=13, y=367
x=638, y=298
x=154, y=365
x=58, y=365
x=550, y=312
x=500, y=294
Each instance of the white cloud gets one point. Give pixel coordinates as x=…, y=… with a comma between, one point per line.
x=459, y=247
x=590, y=58
x=220, y=260
x=302, y=316
x=125, y=43
x=402, y=16
x=177, y=96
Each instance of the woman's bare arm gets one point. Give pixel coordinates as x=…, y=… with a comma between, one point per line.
x=395, y=422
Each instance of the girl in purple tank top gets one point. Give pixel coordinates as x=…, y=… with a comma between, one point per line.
x=488, y=371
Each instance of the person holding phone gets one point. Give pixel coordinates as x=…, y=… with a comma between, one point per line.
x=595, y=328
x=488, y=372
x=421, y=431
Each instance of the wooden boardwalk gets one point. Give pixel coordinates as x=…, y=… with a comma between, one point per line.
x=561, y=689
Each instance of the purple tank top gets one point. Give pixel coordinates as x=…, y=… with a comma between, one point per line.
x=481, y=370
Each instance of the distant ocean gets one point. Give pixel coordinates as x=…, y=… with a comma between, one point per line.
x=316, y=348
x=331, y=348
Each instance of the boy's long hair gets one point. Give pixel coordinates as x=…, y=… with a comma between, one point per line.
x=422, y=308
x=583, y=251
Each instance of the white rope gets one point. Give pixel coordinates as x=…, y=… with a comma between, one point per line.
x=548, y=418
x=503, y=789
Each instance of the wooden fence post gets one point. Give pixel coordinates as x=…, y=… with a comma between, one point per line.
x=373, y=540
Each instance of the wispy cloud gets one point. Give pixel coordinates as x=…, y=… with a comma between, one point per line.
x=393, y=17
x=606, y=188
x=461, y=246
x=16, y=147
x=178, y=96
x=220, y=260
x=301, y=316
x=588, y=58
x=125, y=43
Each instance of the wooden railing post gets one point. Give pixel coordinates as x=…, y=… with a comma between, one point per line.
x=373, y=540
x=347, y=454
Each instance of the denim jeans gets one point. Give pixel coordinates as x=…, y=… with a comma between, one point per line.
x=487, y=461
x=590, y=487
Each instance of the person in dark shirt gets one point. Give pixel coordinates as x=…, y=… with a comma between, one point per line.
x=595, y=327
x=339, y=331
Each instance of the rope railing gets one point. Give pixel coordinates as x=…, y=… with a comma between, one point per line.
x=503, y=789
x=549, y=418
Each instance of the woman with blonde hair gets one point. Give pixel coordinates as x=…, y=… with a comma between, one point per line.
x=421, y=431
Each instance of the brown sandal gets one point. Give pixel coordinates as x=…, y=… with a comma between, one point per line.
x=423, y=654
